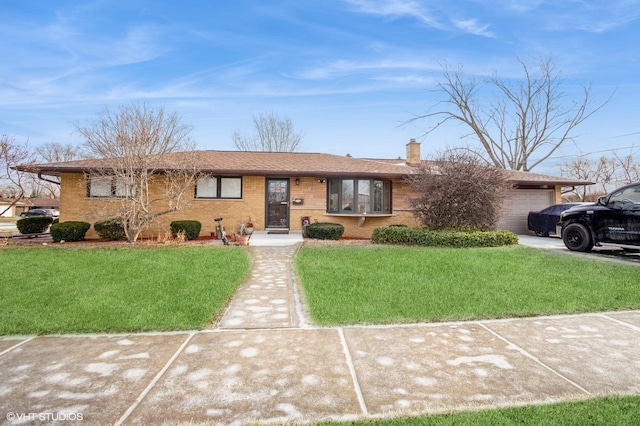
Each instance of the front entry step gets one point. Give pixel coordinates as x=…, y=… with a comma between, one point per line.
x=275, y=231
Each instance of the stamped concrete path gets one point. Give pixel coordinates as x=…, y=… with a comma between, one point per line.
x=268, y=298
x=264, y=364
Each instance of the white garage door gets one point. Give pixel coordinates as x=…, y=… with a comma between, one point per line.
x=517, y=208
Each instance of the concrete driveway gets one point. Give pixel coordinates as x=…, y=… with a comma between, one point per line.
x=555, y=243
x=8, y=229
x=551, y=243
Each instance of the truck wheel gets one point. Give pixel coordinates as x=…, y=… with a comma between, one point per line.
x=576, y=237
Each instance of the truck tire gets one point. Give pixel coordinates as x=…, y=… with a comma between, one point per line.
x=576, y=237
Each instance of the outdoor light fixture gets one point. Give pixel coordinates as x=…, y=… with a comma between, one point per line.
x=321, y=180
x=297, y=181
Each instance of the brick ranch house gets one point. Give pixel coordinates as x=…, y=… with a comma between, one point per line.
x=276, y=190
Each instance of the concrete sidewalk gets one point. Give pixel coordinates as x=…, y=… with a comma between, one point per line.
x=304, y=375
x=264, y=363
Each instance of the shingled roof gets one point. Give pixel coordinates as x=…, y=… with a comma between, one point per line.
x=254, y=163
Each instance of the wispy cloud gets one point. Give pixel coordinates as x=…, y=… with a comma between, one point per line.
x=342, y=68
x=583, y=15
x=472, y=26
x=521, y=6
x=342, y=62
x=433, y=15
x=601, y=18
x=73, y=61
x=139, y=44
x=396, y=8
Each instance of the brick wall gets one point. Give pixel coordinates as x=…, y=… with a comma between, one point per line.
x=76, y=205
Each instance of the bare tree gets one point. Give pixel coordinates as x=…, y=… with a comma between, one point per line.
x=13, y=184
x=524, y=125
x=272, y=134
x=53, y=152
x=628, y=167
x=142, y=148
x=600, y=171
x=607, y=172
x=457, y=190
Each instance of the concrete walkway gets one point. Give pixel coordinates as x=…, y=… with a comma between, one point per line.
x=267, y=299
x=264, y=363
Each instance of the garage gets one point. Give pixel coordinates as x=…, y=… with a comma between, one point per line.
x=520, y=204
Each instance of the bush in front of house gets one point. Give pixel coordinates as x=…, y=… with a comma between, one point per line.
x=69, y=231
x=442, y=238
x=191, y=228
x=110, y=229
x=325, y=231
x=458, y=190
x=34, y=224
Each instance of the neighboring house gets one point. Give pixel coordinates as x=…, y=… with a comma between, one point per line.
x=44, y=203
x=26, y=204
x=277, y=190
x=15, y=208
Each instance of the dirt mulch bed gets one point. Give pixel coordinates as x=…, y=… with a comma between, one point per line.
x=47, y=241
x=154, y=242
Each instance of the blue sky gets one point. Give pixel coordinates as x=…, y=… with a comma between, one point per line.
x=347, y=73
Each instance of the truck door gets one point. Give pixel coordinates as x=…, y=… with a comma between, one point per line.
x=621, y=223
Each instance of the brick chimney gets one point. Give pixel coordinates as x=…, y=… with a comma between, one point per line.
x=413, y=153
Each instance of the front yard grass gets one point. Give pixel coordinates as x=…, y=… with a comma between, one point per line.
x=387, y=284
x=612, y=411
x=47, y=290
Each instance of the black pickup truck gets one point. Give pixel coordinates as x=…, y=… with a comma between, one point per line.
x=613, y=220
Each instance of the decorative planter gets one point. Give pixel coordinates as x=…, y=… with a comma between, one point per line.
x=243, y=240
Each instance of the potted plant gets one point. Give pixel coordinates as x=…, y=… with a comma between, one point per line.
x=249, y=227
x=243, y=236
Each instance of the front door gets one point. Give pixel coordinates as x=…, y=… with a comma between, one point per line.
x=277, y=203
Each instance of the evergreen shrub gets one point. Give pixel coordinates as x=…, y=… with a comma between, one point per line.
x=191, y=228
x=443, y=238
x=34, y=224
x=69, y=231
x=110, y=229
x=325, y=231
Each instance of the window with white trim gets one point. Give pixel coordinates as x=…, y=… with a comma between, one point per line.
x=358, y=196
x=216, y=187
x=100, y=186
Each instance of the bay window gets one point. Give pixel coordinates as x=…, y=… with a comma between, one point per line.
x=358, y=196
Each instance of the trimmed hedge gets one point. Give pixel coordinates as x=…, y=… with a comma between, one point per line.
x=34, y=224
x=191, y=228
x=440, y=238
x=110, y=229
x=325, y=231
x=69, y=231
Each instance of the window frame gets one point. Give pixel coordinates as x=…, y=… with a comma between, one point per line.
x=219, y=187
x=339, y=203
x=117, y=188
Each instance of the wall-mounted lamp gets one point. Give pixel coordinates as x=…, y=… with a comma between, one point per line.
x=297, y=181
x=321, y=180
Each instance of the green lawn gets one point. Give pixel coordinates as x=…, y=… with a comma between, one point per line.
x=386, y=284
x=611, y=411
x=65, y=289
x=58, y=289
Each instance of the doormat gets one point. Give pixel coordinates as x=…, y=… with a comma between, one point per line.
x=284, y=231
